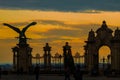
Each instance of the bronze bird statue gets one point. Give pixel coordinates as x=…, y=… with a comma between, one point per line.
x=21, y=32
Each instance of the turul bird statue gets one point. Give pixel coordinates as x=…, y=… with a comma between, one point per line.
x=22, y=35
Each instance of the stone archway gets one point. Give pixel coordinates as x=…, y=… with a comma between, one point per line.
x=102, y=36
x=104, y=51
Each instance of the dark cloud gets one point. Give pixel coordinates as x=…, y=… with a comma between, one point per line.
x=75, y=31
x=62, y=32
x=65, y=32
x=8, y=40
x=63, y=24
x=62, y=5
x=52, y=22
x=50, y=39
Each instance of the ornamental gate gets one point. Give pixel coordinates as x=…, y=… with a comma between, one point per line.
x=102, y=37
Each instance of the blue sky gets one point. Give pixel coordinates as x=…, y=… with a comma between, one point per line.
x=62, y=5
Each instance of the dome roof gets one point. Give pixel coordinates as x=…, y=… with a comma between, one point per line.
x=104, y=27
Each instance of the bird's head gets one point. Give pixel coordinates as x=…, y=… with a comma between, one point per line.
x=33, y=23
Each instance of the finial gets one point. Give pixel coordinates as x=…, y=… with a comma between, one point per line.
x=46, y=44
x=91, y=29
x=104, y=22
x=117, y=28
x=66, y=43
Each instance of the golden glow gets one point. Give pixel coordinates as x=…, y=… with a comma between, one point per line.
x=104, y=51
x=68, y=17
x=64, y=21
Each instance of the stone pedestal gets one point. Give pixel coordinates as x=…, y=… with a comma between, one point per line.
x=22, y=58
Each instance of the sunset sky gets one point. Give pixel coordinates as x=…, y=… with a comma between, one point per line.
x=58, y=21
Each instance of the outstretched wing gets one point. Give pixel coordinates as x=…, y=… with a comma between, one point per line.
x=24, y=29
x=12, y=27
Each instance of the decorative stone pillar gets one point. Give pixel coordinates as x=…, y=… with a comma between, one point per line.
x=68, y=59
x=15, y=51
x=22, y=57
x=47, y=57
x=115, y=54
x=90, y=55
x=22, y=50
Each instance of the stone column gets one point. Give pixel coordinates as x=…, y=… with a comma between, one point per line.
x=68, y=59
x=22, y=57
x=15, y=53
x=91, y=56
x=115, y=56
x=47, y=56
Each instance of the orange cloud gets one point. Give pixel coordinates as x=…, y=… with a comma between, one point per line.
x=53, y=27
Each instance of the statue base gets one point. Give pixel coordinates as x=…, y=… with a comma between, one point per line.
x=22, y=59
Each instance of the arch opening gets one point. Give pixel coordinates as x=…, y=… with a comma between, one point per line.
x=104, y=57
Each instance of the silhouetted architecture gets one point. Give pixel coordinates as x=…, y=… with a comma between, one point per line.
x=22, y=37
x=22, y=58
x=102, y=37
x=68, y=59
x=47, y=57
